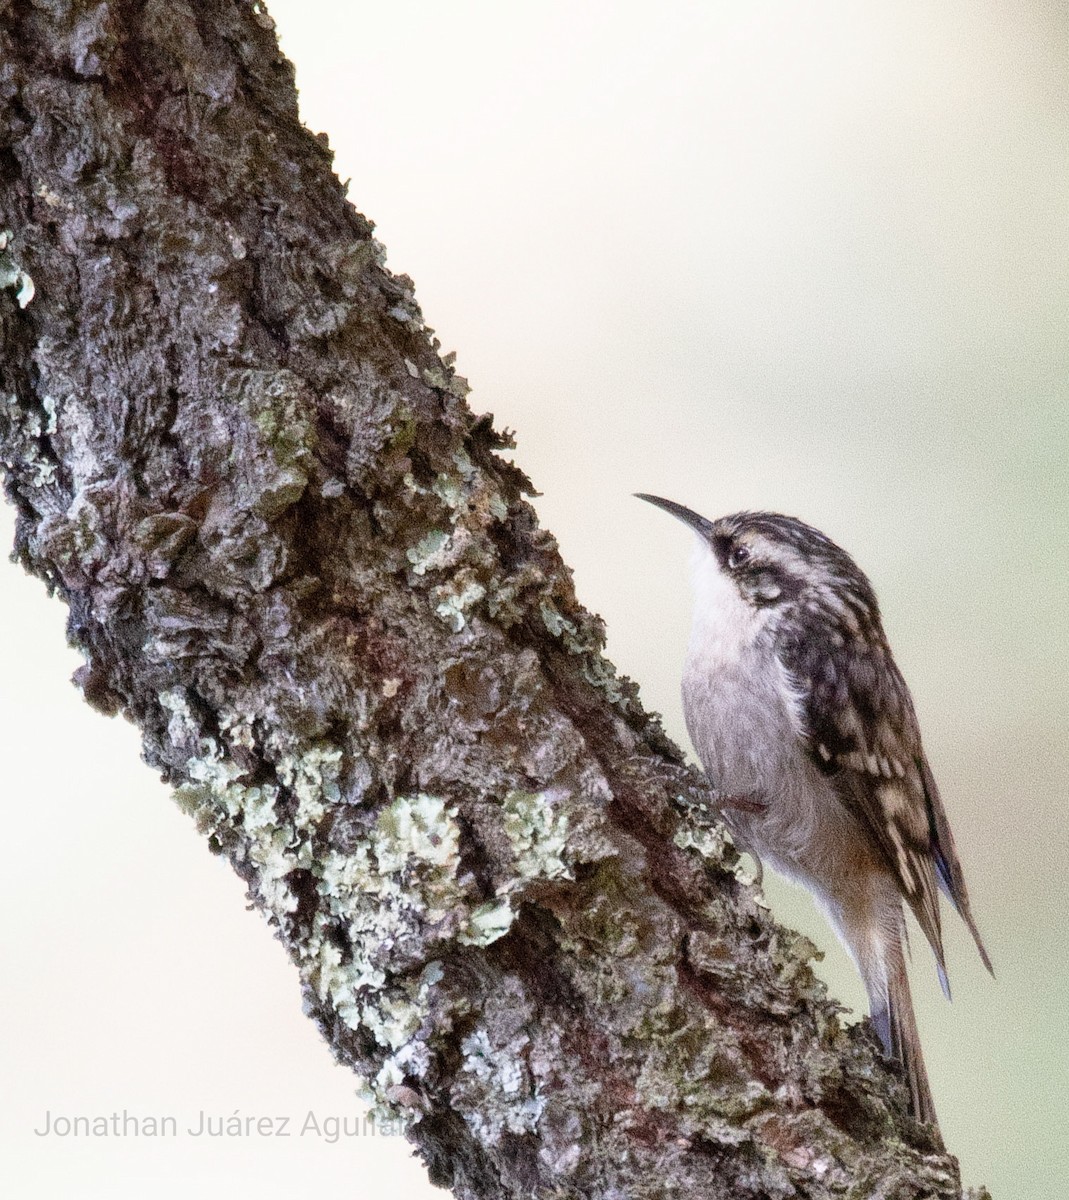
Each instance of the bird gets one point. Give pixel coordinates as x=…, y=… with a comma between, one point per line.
x=807, y=732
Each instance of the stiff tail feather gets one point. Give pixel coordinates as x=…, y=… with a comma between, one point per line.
x=892, y=1015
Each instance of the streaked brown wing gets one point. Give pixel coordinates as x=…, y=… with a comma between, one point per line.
x=951, y=876
x=863, y=733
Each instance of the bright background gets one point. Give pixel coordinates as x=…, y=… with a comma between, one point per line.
x=803, y=256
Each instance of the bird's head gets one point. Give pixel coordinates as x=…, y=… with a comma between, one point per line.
x=773, y=562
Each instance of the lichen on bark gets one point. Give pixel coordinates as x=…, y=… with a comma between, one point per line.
x=299, y=562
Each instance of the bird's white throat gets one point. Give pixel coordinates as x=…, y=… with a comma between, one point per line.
x=725, y=625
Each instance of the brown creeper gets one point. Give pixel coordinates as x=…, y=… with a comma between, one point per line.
x=806, y=729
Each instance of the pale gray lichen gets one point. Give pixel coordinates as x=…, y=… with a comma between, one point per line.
x=473, y=490
x=30, y=428
x=452, y=606
x=403, y=876
x=411, y=1061
x=450, y=491
x=44, y=472
x=12, y=275
x=238, y=728
x=76, y=423
x=407, y=312
x=705, y=832
x=428, y=554
x=378, y=251
x=464, y=465
x=495, y=1089
x=182, y=728
x=709, y=840
x=48, y=403
x=417, y=827
x=595, y=668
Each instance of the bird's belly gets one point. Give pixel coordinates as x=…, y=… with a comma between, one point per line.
x=748, y=740
x=741, y=729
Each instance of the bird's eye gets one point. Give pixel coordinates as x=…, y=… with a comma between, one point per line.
x=738, y=556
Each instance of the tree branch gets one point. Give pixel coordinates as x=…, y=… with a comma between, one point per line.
x=297, y=561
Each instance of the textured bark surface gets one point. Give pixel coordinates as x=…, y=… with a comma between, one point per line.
x=296, y=559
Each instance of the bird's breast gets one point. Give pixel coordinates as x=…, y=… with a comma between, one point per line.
x=742, y=716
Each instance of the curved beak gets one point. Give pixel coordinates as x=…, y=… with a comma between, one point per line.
x=688, y=516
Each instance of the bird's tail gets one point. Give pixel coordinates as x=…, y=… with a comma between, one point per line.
x=892, y=1015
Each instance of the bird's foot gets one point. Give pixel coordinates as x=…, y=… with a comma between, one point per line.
x=752, y=806
x=759, y=871
x=746, y=803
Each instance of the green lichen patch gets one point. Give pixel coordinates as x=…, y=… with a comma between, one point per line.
x=538, y=834
x=585, y=639
x=312, y=776
x=385, y=894
x=182, y=727
x=162, y=538
x=280, y=492
x=243, y=820
x=450, y=490
x=694, y=1069
x=553, y=620
x=276, y=404
x=446, y=380
x=488, y=922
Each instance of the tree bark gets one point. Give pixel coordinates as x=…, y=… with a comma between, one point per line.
x=300, y=564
